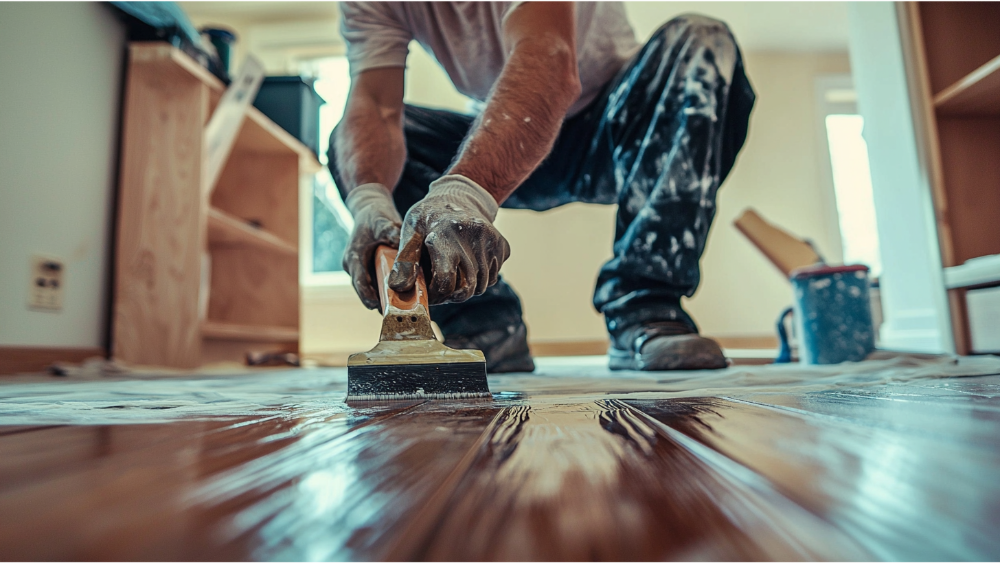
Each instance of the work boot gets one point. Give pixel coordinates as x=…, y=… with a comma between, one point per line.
x=506, y=349
x=663, y=345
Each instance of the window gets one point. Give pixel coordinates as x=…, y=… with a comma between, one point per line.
x=852, y=185
x=326, y=223
x=849, y=172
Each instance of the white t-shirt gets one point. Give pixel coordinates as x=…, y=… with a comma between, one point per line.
x=466, y=39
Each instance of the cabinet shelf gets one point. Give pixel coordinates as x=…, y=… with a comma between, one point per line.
x=258, y=133
x=953, y=55
x=195, y=280
x=976, y=94
x=215, y=330
x=223, y=228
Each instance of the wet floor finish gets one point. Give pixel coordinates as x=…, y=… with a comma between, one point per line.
x=884, y=461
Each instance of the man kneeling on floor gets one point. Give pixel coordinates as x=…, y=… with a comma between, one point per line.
x=575, y=110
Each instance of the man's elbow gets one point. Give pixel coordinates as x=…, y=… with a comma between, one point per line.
x=556, y=60
x=571, y=84
x=565, y=76
x=566, y=72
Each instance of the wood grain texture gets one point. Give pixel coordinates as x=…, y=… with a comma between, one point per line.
x=161, y=217
x=252, y=333
x=953, y=50
x=34, y=359
x=901, y=468
x=251, y=287
x=960, y=37
x=969, y=149
x=978, y=93
x=225, y=230
x=261, y=135
x=258, y=134
x=925, y=120
x=262, y=188
x=960, y=321
x=166, y=224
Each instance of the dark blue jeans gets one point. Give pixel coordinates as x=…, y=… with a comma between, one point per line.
x=658, y=141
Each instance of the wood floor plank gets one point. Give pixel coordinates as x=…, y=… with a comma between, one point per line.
x=597, y=481
x=902, y=495
x=4, y=430
x=345, y=495
x=884, y=470
x=137, y=491
x=951, y=410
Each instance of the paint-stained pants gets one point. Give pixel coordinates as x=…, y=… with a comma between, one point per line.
x=658, y=141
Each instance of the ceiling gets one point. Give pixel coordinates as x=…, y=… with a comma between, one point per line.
x=758, y=26
x=260, y=11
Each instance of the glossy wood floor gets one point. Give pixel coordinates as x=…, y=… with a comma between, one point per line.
x=897, y=463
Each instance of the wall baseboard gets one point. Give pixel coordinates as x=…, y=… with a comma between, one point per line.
x=747, y=342
x=34, y=359
x=569, y=348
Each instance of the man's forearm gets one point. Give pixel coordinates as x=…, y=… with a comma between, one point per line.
x=522, y=118
x=370, y=146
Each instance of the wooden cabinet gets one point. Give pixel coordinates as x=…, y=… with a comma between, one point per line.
x=203, y=272
x=954, y=50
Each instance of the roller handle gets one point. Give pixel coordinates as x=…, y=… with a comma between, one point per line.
x=385, y=257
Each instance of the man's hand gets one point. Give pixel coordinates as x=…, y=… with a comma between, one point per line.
x=455, y=224
x=376, y=222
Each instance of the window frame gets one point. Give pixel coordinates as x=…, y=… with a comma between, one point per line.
x=307, y=277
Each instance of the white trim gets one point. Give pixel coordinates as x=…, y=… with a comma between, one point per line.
x=308, y=278
x=984, y=308
x=977, y=271
x=911, y=330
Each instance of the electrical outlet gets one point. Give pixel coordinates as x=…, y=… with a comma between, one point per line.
x=46, y=290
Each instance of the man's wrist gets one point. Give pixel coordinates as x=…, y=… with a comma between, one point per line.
x=461, y=189
x=366, y=195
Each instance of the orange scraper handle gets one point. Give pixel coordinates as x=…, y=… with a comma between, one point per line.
x=384, y=258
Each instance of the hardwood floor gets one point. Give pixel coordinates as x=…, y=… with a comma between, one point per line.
x=894, y=459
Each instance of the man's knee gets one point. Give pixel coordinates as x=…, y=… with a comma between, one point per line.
x=709, y=33
x=699, y=27
x=702, y=38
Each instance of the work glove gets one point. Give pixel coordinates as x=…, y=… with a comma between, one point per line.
x=454, y=223
x=376, y=222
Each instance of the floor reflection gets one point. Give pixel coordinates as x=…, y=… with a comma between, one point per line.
x=900, y=471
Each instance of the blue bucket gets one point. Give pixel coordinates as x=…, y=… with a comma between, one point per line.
x=833, y=317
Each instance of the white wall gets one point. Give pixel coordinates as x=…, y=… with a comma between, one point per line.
x=59, y=108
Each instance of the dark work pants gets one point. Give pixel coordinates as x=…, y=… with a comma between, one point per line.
x=658, y=141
